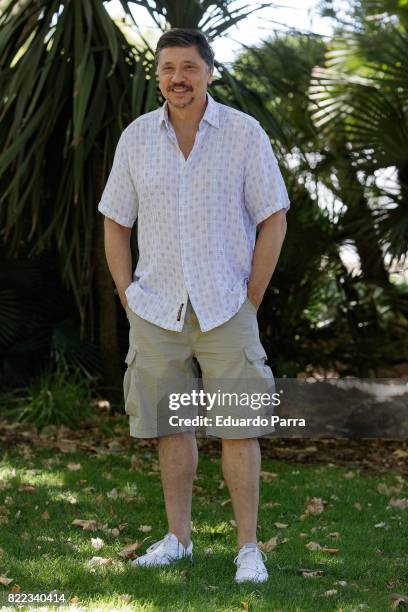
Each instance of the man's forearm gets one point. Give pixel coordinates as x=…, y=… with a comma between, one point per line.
x=118, y=256
x=266, y=254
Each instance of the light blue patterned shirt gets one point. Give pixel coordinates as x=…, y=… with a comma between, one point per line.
x=197, y=218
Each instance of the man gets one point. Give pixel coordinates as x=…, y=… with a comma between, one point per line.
x=200, y=177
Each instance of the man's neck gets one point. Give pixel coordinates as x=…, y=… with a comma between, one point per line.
x=186, y=118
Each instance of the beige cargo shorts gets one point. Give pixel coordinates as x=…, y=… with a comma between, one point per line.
x=164, y=393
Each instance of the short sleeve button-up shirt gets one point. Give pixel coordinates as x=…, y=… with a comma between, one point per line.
x=197, y=218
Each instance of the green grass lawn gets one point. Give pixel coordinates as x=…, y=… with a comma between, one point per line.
x=42, y=550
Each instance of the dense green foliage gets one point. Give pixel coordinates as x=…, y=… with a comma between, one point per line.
x=336, y=113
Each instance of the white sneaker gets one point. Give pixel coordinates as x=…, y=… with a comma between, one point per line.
x=163, y=552
x=250, y=564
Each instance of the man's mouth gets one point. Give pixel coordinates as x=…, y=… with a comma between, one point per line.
x=180, y=89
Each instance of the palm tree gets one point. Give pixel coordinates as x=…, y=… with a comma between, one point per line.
x=354, y=323
x=360, y=97
x=70, y=83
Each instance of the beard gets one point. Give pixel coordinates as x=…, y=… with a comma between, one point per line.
x=183, y=103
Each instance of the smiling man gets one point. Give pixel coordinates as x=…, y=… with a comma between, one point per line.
x=199, y=177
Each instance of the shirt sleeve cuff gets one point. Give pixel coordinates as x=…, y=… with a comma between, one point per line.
x=107, y=211
x=267, y=212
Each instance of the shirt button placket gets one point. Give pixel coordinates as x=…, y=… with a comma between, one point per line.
x=183, y=232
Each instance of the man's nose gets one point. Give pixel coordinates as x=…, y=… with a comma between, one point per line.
x=177, y=76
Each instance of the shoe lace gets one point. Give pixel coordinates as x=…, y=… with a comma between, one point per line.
x=158, y=544
x=259, y=555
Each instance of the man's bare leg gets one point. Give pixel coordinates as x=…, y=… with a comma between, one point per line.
x=178, y=458
x=241, y=464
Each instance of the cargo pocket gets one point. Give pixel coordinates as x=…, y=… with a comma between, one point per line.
x=256, y=366
x=260, y=380
x=130, y=383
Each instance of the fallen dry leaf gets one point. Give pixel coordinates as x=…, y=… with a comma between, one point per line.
x=311, y=573
x=385, y=489
x=5, y=580
x=400, y=453
x=97, y=543
x=100, y=561
x=113, y=494
x=402, y=504
x=145, y=528
x=114, y=531
x=86, y=524
x=331, y=551
x=27, y=488
x=334, y=534
x=269, y=544
x=74, y=467
x=280, y=525
x=66, y=446
x=268, y=476
x=314, y=506
x=330, y=592
x=357, y=505
x=128, y=550
x=46, y=515
x=233, y=523
x=313, y=546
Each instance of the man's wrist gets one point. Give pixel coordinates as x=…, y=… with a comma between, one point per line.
x=255, y=296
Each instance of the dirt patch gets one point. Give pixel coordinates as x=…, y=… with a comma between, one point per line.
x=105, y=434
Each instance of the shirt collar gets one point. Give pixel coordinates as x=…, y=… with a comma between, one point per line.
x=211, y=113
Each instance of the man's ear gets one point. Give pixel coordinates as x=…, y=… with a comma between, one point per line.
x=211, y=75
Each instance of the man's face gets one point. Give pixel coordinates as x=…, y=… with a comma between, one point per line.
x=183, y=76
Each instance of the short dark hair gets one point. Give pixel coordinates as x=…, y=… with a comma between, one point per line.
x=186, y=37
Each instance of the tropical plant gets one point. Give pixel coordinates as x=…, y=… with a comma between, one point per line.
x=58, y=397
x=335, y=320
x=360, y=104
x=70, y=83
